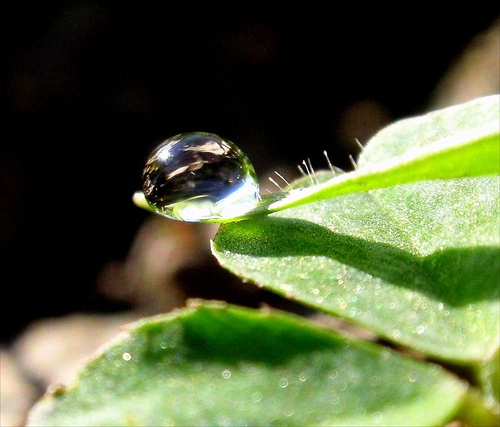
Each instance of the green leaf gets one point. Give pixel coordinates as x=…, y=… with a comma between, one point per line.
x=488, y=374
x=478, y=409
x=226, y=365
x=419, y=264
x=456, y=142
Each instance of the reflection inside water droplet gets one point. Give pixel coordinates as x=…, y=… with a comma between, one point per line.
x=199, y=176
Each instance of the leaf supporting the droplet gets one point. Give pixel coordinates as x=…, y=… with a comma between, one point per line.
x=417, y=264
x=456, y=142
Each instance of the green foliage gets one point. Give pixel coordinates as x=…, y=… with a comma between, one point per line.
x=407, y=247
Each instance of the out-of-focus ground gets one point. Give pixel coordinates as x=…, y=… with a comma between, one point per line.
x=165, y=262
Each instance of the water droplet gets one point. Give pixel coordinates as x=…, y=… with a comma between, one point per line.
x=333, y=374
x=126, y=357
x=303, y=376
x=374, y=380
x=283, y=382
x=242, y=406
x=361, y=412
x=257, y=397
x=226, y=374
x=420, y=329
x=413, y=377
x=199, y=176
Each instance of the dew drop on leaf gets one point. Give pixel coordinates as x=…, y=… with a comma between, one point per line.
x=283, y=382
x=199, y=176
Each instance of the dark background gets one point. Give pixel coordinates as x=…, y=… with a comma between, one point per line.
x=91, y=87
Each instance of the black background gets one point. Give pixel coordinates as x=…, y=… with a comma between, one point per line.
x=92, y=87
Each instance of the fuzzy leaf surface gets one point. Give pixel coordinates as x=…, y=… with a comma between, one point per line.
x=226, y=365
x=418, y=264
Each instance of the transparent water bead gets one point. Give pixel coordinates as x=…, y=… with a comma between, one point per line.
x=199, y=176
